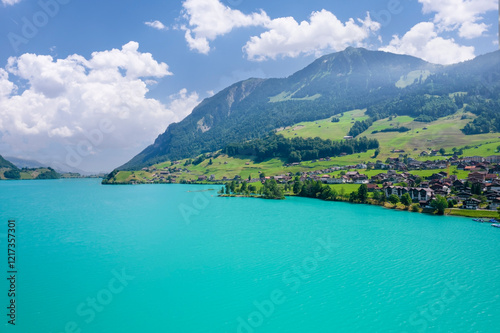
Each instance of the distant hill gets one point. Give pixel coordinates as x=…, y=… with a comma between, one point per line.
x=353, y=79
x=9, y=170
x=6, y=164
x=23, y=163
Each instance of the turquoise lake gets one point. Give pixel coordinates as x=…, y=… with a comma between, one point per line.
x=176, y=258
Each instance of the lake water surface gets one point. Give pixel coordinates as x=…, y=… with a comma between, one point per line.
x=172, y=258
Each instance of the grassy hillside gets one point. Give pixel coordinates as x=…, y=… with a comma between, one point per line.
x=444, y=133
x=324, y=129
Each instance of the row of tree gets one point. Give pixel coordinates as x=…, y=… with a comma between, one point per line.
x=270, y=189
x=359, y=127
x=401, y=129
x=299, y=149
x=316, y=189
x=432, y=107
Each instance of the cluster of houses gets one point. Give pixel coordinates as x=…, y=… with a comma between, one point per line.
x=488, y=184
x=441, y=183
x=164, y=175
x=483, y=171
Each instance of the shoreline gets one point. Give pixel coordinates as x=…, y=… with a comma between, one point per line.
x=429, y=211
x=456, y=212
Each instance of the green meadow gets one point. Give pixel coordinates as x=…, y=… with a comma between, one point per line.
x=443, y=133
x=325, y=129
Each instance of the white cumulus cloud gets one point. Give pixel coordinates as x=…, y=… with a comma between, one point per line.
x=287, y=37
x=471, y=30
x=283, y=36
x=423, y=41
x=6, y=87
x=96, y=107
x=208, y=19
x=464, y=15
x=156, y=25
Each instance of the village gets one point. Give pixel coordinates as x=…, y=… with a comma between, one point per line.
x=479, y=190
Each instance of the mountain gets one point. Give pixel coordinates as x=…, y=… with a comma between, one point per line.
x=351, y=79
x=22, y=163
x=6, y=164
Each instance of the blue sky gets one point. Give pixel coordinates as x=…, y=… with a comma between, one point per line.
x=68, y=68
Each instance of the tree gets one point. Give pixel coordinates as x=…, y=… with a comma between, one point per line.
x=271, y=190
x=262, y=175
x=297, y=186
x=393, y=199
x=415, y=208
x=327, y=193
x=210, y=162
x=440, y=204
x=451, y=203
x=442, y=151
x=377, y=195
x=232, y=186
x=249, y=177
x=363, y=193
x=476, y=188
x=294, y=157
x=244, y=187
x=353, y=197
x=406, y=199
x=12, y=174
x=342, y=192
x=51, y=174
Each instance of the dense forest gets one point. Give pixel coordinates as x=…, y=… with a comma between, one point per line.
x=49, y=174
x=299, y=149
x=421, y=107
x=12, y=174
x=488, y=112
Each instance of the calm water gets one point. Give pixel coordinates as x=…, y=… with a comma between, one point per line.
x=165, y=258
